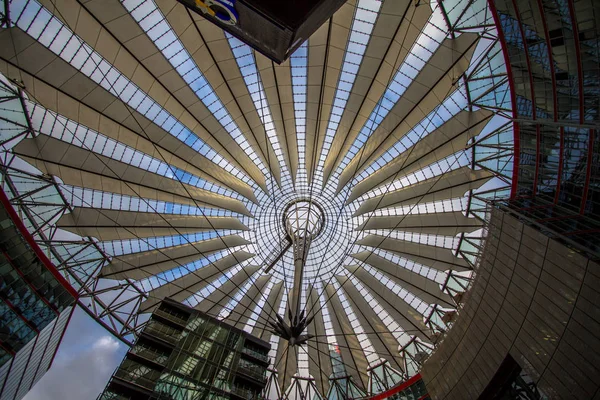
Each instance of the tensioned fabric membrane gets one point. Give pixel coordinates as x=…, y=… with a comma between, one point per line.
x=154, y=155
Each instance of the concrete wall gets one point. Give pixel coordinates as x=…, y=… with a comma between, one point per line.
x=533, y=298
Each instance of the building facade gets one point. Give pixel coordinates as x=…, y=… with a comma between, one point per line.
x=184, y=353
x=553, y=61
x=530, y=321
x=529, y=325
x=35, y=306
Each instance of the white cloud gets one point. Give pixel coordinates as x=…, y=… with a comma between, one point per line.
x=85, y=362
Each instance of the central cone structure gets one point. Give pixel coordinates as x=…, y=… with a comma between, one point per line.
x=303, y=221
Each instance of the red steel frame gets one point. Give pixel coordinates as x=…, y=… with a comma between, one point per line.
x=20, y=315
x=582, y=106
x=34, y=246
x=516, y=128
x=550, y=58
x=398, y=388
x=533, y=99
x=513, y=97
x=554, y=97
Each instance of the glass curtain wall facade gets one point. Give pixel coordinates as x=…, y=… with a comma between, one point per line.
x=183, y=354
x=35, y=305
x=553, y=54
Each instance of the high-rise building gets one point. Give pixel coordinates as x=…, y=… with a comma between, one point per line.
x=551, y=52
x=35, y=306
x=182, y=353
x=529, y=323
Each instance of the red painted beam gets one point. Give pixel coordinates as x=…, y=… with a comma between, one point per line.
x=396, y=389
x=554, y=88
x=550, y=219
x=513, y=98
x=535, y=207
x=34, y=246
x=531, y=93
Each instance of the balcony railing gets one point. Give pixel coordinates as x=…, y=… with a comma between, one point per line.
x=255, y=354
x=137, y=380
x=171, y=317
x=259, y=375
x=150, y=355
x=170, y=336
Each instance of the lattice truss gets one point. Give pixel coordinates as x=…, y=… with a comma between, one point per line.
x=153, y=155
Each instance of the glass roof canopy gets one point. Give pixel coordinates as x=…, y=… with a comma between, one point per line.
x=153, y=155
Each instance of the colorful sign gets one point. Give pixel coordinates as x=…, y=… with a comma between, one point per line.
x=222, y=10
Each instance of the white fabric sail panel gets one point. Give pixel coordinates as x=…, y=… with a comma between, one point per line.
x=425, y=289
x=283, y=88
x=318, y=348
x=189, y=284
x=36, y=59
x=277, y=85
x=215, y=59
x=384, y=342
x=449, y=223
x=218, y=299
x=435, y=82
x=242, y=311
x=405, y=315
x=448, y=139
x=452, y=184
x=263, y=331
x=438, y=258
x=116, y=225
x=286, y=362
x=319, y=48
x=145, y=264
x=50, y=155
x=322, y=87
x=121, y=43
x=397, y=27
x=352, y=353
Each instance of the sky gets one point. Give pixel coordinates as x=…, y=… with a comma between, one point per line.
x=86, y=359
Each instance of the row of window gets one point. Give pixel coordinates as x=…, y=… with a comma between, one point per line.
x=30, y=295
